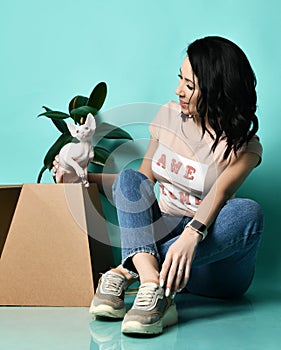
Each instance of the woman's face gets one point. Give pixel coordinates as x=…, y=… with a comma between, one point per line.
x=188, y=89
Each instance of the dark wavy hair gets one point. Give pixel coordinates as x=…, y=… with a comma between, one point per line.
x=227, y=86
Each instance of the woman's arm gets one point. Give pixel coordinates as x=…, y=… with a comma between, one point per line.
x=175, y=270
x=226, y=185
x=146, y=165
x=104, y=181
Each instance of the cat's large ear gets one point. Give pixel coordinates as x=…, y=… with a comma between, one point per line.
x=72, y=129
x=90, y=121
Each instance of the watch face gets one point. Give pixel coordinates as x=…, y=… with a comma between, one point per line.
x=198, y=225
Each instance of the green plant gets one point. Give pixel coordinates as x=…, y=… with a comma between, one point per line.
x=107, y=136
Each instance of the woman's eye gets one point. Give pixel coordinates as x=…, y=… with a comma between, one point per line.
x=190, y=87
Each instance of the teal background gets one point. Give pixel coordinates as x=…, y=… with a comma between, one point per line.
x=52, y=50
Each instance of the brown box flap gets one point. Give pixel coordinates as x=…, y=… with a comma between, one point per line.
x=8, y=201
x=46, y=260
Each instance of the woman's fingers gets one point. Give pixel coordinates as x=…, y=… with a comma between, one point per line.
x=173, y=274
x=177, y=277
x=165, y=270
x=55, y=165
x=175, y=270
x=173, y=278
x=179, y=282
x=185, y=277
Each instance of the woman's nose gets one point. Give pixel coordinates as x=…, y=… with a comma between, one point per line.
x=179, y=90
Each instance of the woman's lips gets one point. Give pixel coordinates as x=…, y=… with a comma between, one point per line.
x=183, y=104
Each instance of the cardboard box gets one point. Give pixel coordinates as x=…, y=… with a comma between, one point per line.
x=45, y=234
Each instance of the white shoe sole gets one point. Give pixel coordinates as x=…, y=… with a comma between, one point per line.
x=170, y=318
x=107, y=311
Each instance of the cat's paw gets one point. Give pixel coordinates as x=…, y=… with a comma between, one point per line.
x=80, y=173
x=85, y=182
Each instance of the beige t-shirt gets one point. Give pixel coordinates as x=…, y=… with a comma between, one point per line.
x=183, y=164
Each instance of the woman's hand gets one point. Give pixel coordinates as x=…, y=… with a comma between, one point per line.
x=56, y=165
x=175, y=270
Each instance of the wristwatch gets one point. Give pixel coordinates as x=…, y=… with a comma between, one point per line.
x=198, y=227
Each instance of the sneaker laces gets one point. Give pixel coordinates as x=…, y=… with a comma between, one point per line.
x=146, y=295
x=113, y=284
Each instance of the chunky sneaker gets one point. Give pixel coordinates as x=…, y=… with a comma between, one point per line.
x=151, y=311
x=108, y=300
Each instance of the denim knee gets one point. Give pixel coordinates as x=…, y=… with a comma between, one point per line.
x=132, y=189
x=248, y=211
x=124, y=181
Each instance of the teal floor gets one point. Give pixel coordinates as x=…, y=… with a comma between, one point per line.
x=254, y=322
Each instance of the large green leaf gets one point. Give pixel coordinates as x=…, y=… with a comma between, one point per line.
x=55, y=148
x=60, y=124
x=84, y=110
x=111, y=132
x=79, y=114
x=47, y=109
x=98, y=96
x=95, y=168
x=100, y=156
x=55, y=115
x=76, y=102
x=110, y=145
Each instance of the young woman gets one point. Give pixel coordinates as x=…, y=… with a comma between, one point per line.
x=197, y=236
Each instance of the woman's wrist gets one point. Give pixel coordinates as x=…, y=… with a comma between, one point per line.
x=190, y=233
x=198, y=227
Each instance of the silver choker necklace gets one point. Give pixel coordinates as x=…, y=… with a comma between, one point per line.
x=185, y=116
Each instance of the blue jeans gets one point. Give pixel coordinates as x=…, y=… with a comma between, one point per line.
x=224, y=262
